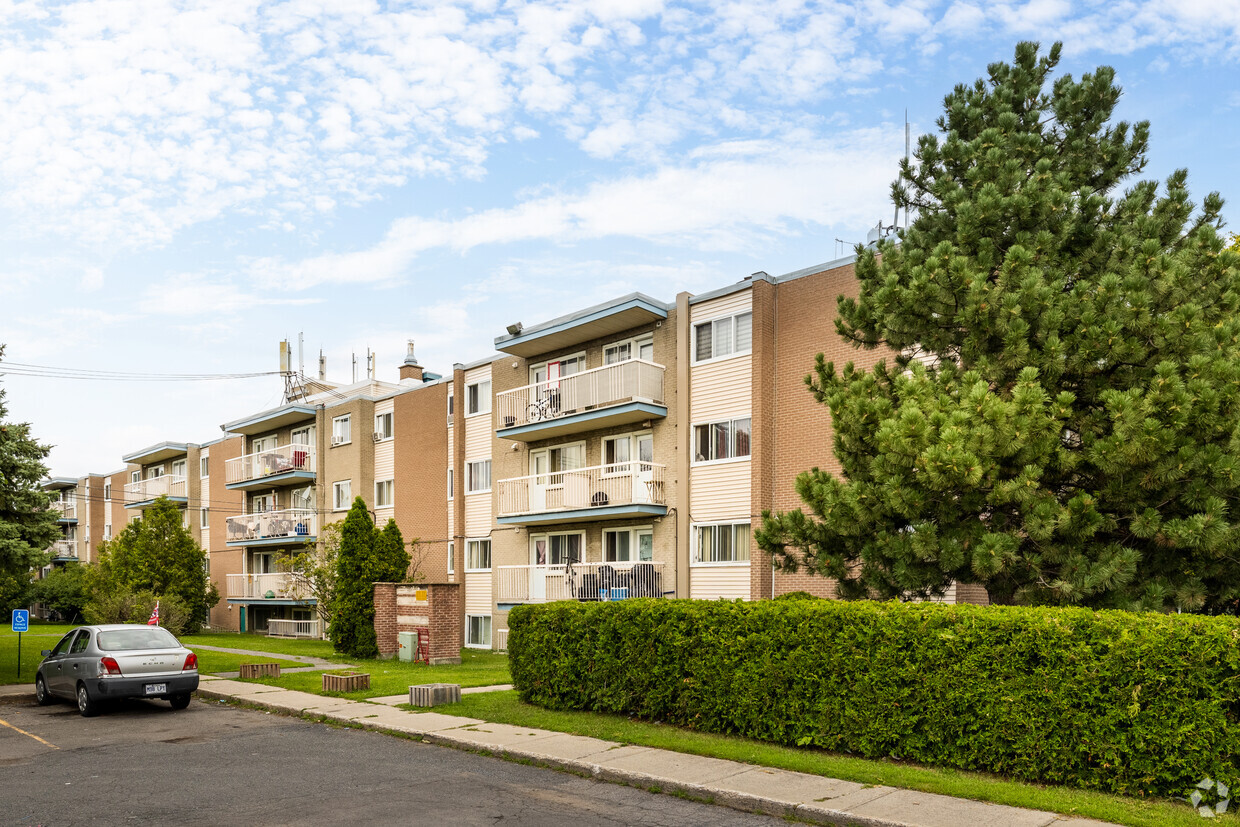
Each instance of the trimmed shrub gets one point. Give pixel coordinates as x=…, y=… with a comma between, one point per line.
x=1131, y=703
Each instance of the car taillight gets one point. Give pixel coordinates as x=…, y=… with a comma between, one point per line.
x=108, y=666
x=191, y=662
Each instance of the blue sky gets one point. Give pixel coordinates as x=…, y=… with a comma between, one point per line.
x=183, y=187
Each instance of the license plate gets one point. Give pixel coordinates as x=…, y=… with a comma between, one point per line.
x=156, y=688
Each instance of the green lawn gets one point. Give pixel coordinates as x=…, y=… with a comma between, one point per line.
x=506, y=708
x=262, y=643
x=393, y=677
x=210, y=663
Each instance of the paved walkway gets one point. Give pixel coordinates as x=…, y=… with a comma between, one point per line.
x=742, y=786
x=313, y=664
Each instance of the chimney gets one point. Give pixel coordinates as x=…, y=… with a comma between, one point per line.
x=410, y=369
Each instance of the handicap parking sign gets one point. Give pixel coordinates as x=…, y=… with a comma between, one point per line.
x=21, y=620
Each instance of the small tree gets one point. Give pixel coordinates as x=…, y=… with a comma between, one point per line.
x=315, y=569
x=64, y=591
x=391, y=559
x=157, y=554
x=27, y=525
x=353, y=610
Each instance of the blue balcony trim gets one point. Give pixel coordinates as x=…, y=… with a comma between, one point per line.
x=261, y=482
x=150, y=502
x=618, y=511
x=560, y=326
x=275, y=601
x=296, y=539
x=654, y=411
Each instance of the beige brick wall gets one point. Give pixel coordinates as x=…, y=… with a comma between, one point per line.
x=420, y=454
x=222, y=504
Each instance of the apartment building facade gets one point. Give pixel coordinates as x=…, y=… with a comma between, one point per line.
x=622, y=450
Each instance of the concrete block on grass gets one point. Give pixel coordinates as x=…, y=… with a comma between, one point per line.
x=434, y=694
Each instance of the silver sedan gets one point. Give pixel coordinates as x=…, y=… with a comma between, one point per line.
x=93, y=664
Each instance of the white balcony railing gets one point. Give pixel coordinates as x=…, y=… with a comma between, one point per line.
x=275, y=586
x=64, y=548
x=292, y=457
x=293, y=628
x=622, y=483
x=165, y=486
x=291, y=522
x=67, y=509
x=579, y=581
x=633, y=381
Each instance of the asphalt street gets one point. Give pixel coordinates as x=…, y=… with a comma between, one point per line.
x=142, y=763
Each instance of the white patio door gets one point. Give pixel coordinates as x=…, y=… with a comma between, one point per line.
x=643, y=480
x=538, y=569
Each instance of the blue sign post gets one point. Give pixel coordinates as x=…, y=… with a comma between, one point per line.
x=21, y=623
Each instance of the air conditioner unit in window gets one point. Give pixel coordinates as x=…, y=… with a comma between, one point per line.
x=338, y=440
x=378, y=437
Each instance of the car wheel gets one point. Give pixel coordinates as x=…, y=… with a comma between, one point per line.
x=87, y=705
x=40, y=691
x=179, y=701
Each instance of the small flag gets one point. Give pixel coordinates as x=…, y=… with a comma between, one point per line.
x=154, y=621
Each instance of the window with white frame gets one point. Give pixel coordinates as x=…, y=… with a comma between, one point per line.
x=721, y=543
x=478, y=631
x=342, y=495
x=261, y=503
x=479, y=476
x=342, y=430
x=107, y=489
x=451, y=487
x=135, y=476
x=451, y=400
x=107, y=531
x=302, y=436
x=451, y=557
x=383, y=494
x=723, y=337
x=619, y=452
x=728, y=439
x=478, y=398
x=557, y=369
x=623, y=545
x=557, y=549
x=204, y=518
x=204, y=466
x=477, y=555
x=639, y=348
x=549, y=464
x=383, y=425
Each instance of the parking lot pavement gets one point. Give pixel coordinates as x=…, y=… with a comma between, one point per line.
x=141, y=762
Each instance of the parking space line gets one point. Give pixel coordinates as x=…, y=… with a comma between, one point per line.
x=28, y=734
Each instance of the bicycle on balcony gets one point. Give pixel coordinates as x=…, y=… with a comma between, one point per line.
x=546, y=407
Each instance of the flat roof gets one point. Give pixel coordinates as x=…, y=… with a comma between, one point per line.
x=156, y=453
x=270, y=420
x=58, y=483
x=614, y=316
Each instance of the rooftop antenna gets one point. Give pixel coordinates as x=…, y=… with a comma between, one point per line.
x=906, y=156
x=322, y=366
x=301, y=355
x=370, y=364
x=293, y=388
x=354, y=366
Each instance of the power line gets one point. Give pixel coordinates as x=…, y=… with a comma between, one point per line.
x=51, y=372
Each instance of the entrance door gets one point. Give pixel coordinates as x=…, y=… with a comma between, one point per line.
x=643, y=482
x=540, y=467
x=538, y=569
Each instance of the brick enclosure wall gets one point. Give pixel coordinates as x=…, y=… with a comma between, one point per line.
x=398, y=610
x=420, y=458
x=222, y=503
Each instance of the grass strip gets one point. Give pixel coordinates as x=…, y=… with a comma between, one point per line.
x=393, y=677
x=507, y=708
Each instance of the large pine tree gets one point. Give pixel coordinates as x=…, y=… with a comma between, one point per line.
x=1060, y=424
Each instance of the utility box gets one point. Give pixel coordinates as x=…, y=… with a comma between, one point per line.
x=408, y=645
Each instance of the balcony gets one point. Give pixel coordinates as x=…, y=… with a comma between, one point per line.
x=604, y=492
x=610, y=318
x=142, y=493
x=578, y=581
x=618, y=394
x=67, y=509
x=294, y=628
x=273, y=528
x=64, y=550
x=283, y=586
x=291, y=464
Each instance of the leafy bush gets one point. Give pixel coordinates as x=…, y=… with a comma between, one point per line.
x=126, y=606
x=1131, y=703
x=796, y=596
x=64, y=591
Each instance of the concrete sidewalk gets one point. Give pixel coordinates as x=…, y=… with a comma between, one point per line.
x=746, y=787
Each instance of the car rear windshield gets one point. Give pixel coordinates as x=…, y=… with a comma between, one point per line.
x=139, y=637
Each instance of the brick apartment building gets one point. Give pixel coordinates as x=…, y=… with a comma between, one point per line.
x=621, y=450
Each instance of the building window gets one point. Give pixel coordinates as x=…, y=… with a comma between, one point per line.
x=204, y=518
x=383, y=426
x=342, y=495
x=451, y=557
x=107, y=531
x=721, y=440
x=302, y=436
x=204, y=465
x=478, y=631
x=641, y=348
x=383, y=494
x=544, y=375
x=479, y=478
x=726, y=543
x=723, y=337
x=478, y=398
x=341, y=430
x=451, y=487
x=628, y=544
x=619, y=452
x=107, y=489
x=451, y=400
x=477, y=555
x=557, y=549
x=135, y=476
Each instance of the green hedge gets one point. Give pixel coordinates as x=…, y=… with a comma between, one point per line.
x=1132, y=703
